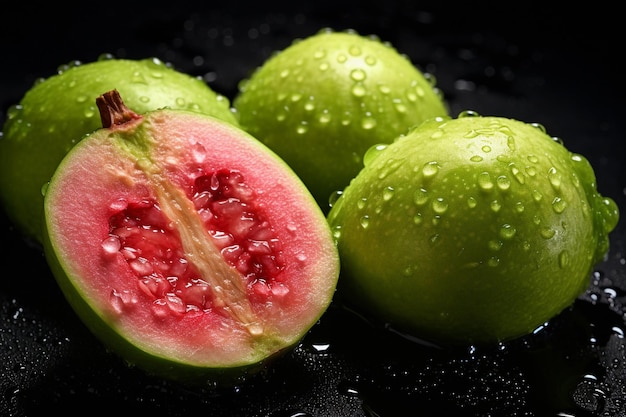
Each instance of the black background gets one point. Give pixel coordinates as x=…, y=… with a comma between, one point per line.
x=558, y=66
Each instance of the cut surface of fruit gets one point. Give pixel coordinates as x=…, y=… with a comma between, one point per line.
x=185, y=243
x=60, y=110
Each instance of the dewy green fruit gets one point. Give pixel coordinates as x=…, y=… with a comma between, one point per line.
x=324, y=100
x=58, y=111
x=187, y=246
x=470, y=230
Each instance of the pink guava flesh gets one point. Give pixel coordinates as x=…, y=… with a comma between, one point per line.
x=190, y=240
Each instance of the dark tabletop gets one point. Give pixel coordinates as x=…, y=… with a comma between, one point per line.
x=560, y=67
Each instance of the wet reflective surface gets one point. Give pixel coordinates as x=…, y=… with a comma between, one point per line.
x=527, y=63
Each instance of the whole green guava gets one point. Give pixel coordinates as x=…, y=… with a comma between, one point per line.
x=59, y=111
x=324, y=100
x=470, y=230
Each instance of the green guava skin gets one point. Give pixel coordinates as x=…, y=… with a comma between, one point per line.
x=324, y=100
x=470, y=230
x=59, y=111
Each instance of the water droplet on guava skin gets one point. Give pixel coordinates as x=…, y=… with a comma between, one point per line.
x=518, y=175
x=558, y=205
x=440, y=205
x=472, y=202
x=437, y=134
x=368, y=122
x=388, y=193
x=547, y=233
x=484, y=181
x=336, y=233
x=430, y=169
x=564, y=259
x=554, y=177
x=334, y=196
x=507, y=231
x=468, y=113
x=365, y=221
x=495, y=245
x=503, y=182
x=493, y=261
x=420, y=197
x=476, y=158
x=495, y=206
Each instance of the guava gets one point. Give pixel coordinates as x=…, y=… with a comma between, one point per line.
x=185, y=245
x=470, y=230
x=56, y=112
x=324, y=100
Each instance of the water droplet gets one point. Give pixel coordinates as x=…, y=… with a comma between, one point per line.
x=373, y=152
x=558, y=205
x=484, y=181
x=486, y=149
x=495, y=206
x=437, y=134
x=507, y=231
x=337, y=233
x=539, y=126
x=198, y=152
x=564, y=259
x=476, y=158
x=468, y=113
x=547, y=233
x=365, y=221
x=495, y=245
x=493, y=261
x=361, y=203
x=472, y=202
x=354, y=50
x=420, y=197
x=302, y=128
x=430, y=169
x=368, y=123
x=510, y=142
x=388, y=193
x=519, y=207
x=537, y=196
x=358, y=74
x=554, y=177
x=503, y=182
x=532, y=158
x=358, y=90
x=341, y=58
x=417, y=219
x=325, y=117
x=440, y=205
x=370, y=60
x=111, y=245
x=518, y=175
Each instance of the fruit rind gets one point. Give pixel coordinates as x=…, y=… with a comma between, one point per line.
x=324, y=100
x=60, y=110
x=470, y=230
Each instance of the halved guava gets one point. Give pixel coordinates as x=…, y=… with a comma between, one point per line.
x=186, y=245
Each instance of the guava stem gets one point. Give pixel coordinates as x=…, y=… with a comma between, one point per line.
x=113, y=111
